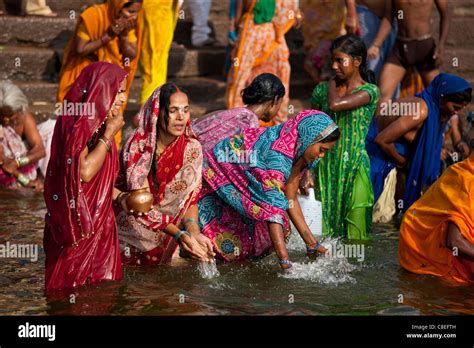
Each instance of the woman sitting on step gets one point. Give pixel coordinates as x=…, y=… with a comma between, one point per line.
x=24, y=145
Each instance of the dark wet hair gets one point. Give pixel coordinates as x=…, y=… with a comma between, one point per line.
x=166, y=91
x=335, y=135
x=264, y=87
x=459, y=97
x=354, y=46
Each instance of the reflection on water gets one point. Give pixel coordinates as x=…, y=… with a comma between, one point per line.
x=323, y=286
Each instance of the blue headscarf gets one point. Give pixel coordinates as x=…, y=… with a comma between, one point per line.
x=426, y=164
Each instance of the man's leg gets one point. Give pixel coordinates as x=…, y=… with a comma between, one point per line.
x=390, y=77
x=200, y=14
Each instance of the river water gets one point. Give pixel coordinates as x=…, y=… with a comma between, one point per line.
x=326, y=286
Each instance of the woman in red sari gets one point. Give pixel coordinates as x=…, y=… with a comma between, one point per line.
x=162, y=157
x=80, y=236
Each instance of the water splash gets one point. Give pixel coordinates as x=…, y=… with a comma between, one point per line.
x=325, y=269
x=208, y=270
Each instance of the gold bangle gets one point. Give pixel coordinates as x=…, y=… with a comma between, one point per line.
x=23, y=179
x=103, y=142
x=23, y=161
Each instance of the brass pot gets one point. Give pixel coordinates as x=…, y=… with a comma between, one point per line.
x=140, y=201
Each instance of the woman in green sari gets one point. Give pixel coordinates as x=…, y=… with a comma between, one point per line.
x=350, y=99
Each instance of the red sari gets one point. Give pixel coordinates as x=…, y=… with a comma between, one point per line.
x=175, y=183
x=80, y=235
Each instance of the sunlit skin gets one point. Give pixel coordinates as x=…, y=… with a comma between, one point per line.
x=347, y=79
x=197, y=246
x=92, y=162
x=318, y=150
x=179, y=115
x=392, y=128
x=266, y=111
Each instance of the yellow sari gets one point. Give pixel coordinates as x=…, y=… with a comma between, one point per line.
x=158, y=23
x=422, y=247
x=94, y=23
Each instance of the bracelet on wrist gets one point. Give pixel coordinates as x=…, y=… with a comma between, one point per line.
x=286, y=262
x=178, y=235
x=106, y=142
x=103, y=142
x=23, y=179
x=23, y=161
x=313, y=249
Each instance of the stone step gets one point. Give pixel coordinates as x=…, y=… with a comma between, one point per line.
x=25, y=63
x=55, y=32
x=459, y=61
x=39, y=63
x=62, y=7
x=199, y=88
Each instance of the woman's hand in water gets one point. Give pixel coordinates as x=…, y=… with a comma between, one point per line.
x=10, y=166
x=315, y=250
x=206, y=244
x=193, y=248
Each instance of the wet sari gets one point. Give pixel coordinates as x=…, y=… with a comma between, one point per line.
x=424, y=164
x=422, y=248
x=261, y=48
x=80, y=235
x=216, y=126
x=244, y=183
x=174, y=180
x=343, y=176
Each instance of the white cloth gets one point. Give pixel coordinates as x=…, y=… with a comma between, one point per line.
x=384, y=208
x=46, y=130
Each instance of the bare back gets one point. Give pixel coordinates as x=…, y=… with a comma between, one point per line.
x=410, y=110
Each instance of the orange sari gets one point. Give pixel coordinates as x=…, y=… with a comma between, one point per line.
x=96, y=20
x=262, y=48
x=422, y=247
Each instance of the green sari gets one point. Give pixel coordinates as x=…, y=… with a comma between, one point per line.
x=343, y=175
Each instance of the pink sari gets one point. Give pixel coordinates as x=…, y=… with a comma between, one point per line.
x=218, y=125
